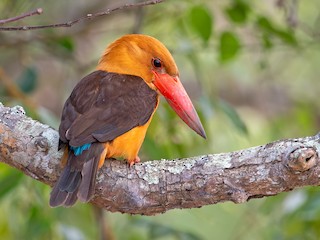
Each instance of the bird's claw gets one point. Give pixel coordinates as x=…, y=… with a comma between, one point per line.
x=134, y=161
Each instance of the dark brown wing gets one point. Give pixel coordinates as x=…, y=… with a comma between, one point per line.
x=105, y=105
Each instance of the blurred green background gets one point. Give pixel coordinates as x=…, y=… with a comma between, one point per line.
x=251, y=68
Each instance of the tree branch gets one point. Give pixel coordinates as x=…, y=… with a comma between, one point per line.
x=89, y=16
x=37, y=11
x=157, y=186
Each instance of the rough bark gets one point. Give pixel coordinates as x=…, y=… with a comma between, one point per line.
x=157, y=186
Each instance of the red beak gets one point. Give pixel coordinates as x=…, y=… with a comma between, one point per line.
x=172, y=89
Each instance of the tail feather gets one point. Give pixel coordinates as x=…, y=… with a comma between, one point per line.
x=89, y=172
x=57, y=197
x=71, y=199
x=77, y=179
x=65, y=177
x=74, y=183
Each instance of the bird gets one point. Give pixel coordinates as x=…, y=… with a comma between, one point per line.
x=109, y=111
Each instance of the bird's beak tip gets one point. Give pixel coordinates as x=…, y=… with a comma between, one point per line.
x=172, y=89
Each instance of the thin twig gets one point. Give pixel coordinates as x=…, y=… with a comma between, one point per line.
x=37, y=11
x=89, y=16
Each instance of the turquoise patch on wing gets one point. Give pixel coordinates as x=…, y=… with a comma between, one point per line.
x=78, y=150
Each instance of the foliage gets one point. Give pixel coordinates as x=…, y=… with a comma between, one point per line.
x=251, y=68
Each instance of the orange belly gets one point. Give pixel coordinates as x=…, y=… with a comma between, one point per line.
x=128, y=144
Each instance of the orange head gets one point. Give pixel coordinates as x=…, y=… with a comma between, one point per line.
x=148, y=58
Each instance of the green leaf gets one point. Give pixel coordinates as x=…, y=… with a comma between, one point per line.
x=265, y=25
x=157, y=231
x=28, y=79
x=8, y=181
x=266, y=41
x=269, y=29
x=38, y=225
x=200, y=20
x=238, y=12
x=229, y=46
x=66, y=43
x=287, y=36
x=233, y=116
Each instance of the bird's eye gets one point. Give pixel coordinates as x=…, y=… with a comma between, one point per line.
x=156, y=62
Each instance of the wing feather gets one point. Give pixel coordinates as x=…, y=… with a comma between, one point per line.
x=105, y=105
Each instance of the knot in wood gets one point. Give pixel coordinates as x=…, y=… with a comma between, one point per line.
x=17, y=110
x=302, y=159
x=236, y=193
x=42, y=144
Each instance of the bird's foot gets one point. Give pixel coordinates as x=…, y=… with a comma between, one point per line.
x=134, y=161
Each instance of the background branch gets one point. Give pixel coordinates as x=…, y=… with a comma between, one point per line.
x=37, y=11
x=157, y=186
x=88, y=16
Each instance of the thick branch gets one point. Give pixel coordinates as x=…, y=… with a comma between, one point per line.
x=157, y=186
x=88, y=16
